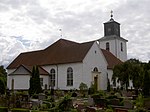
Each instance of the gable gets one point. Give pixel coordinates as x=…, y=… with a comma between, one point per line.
x=21, y=70
x=95, y=57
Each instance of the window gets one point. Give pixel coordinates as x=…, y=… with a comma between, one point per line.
x=121, y=46
x=95, y=69
x=52, y=78
x=107, y=46
x=41, y=81
x=69, y=76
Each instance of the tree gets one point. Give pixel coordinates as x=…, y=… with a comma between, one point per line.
x=83, y=88
x=3, y=77
x=35, y=86
x=129, y=70
x=2, y=86
x=108, y=85
x=146, y=79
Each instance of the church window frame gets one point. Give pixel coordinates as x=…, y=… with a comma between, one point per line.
x=95, y=69
x=52, y=77
x=69, y=76
x=107, y=46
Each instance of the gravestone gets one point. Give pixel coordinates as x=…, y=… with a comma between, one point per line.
x=128, y=104
x=41, y=96
x=90, y=101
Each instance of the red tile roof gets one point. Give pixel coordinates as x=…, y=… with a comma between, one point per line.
x=111, y=59
x=61, y=52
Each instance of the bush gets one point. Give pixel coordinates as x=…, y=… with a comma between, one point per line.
x=109, y=110
x=3, y=109
x=65, y=104
x=43, y=107
x=54, y=109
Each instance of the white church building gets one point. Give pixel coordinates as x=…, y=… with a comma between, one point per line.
x=65, y=64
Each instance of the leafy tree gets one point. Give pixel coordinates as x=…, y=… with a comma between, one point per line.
x=35, y=86
x=2, y=86
x=108, y=85
x=146, y=79
x=129, y=70
x=3, y=76
x=3, y=72
x=146, y=83
x=83, y=86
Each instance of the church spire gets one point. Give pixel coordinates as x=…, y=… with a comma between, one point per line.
x=111, y=27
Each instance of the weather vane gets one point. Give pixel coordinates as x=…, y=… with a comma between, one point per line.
x=60, y=32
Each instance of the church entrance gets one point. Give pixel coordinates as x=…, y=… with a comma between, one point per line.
x=96, y=78
x=96, y=82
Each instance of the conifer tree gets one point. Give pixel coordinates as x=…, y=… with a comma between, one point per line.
x=35, y=86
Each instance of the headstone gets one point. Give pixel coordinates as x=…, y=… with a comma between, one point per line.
x=128, y=104
x=42, y=96
x=90, y=101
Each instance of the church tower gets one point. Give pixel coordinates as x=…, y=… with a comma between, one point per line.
x=112, y=41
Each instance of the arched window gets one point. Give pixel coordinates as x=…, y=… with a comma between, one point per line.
x=95, y=69
x=52, y=77
x=69, y=76
x=107, y=46
x=121, y=46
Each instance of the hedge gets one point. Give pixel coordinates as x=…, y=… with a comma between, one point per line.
x=3, y=109
x=19, y=110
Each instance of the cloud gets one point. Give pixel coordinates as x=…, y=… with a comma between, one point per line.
x=34, y=24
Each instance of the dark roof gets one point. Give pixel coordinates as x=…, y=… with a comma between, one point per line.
x=112, y=21
x=112, y=37
x=111, y=59
x=60, y=52
x=29, y=69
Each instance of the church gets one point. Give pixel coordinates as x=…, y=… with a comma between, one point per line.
x=66, y=64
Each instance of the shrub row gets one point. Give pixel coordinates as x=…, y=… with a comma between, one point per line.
x=3, y=109
x=19, y=110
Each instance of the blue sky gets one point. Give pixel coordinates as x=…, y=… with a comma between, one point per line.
x=27, y=25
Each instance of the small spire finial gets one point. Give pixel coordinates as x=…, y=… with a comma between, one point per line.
x=60, y=32
x=111, y=12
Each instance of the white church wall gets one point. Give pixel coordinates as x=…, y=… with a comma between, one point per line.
x=115, y=48
x=61, y=75
x=121, y=54
x=45, y=81
x=95, y=58
x=20, y=76
x=9, y=77
x=20, y=82
x=112, y=46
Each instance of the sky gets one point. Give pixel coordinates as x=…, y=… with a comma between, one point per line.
x=27, y=25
